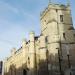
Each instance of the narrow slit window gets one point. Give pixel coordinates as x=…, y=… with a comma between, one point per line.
x=46, y=39
x=64, y=36
x=28, y=60
x=61, y=18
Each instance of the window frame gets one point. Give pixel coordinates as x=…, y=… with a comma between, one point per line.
x=62, y=18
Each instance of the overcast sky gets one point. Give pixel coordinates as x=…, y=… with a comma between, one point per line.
x=18, y=18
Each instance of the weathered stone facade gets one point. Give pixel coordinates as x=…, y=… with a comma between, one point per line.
x=41, y=55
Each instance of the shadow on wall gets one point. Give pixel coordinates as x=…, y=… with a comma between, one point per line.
x=17, y=71
x=50, y=66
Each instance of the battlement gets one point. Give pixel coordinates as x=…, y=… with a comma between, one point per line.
x=54, y=6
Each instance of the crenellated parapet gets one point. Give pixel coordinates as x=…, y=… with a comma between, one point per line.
x=55, y=7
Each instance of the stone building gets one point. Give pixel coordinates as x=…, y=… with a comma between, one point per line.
x=1, y=67
x=52, y=52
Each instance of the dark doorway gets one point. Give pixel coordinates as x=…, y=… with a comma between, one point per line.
x=24, y=72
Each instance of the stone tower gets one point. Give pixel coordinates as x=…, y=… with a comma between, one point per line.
x=57, y=27
x=51, y=53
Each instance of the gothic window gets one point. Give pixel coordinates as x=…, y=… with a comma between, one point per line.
x=61, y=18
